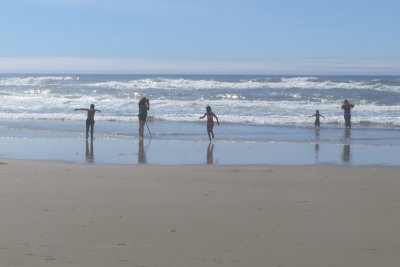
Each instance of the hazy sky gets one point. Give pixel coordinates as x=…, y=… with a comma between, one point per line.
x=205, y=36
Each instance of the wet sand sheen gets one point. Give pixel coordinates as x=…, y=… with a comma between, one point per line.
x=83, y=215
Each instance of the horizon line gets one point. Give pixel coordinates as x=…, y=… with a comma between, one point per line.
x=131, y=66
x=194, y=74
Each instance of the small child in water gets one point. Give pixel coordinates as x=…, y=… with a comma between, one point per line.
x=90, y=119
x=210, y=122
x=317, y=115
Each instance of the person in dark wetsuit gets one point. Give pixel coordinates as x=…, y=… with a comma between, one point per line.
x=210, y=122
x=317, y=115
x=347, y=114
x=90, y=119
x=144, y=106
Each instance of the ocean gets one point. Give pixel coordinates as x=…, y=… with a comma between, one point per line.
x=251, y=109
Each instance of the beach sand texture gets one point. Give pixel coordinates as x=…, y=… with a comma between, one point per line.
x=60, y=214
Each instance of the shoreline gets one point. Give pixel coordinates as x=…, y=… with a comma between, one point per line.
x=119, y=151
x=187, y=144
x=143, y=215
x=109, y=152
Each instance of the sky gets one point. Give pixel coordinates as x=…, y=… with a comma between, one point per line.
x=200, y=37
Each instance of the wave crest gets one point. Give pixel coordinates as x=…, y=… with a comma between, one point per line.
x=266, y=83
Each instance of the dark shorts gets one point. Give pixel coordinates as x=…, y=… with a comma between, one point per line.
x=89, y=122
x=316, y=123
x=142, y=117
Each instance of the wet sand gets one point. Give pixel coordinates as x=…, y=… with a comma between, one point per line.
x=105, y=151
x=61, y=214
x=181, y=143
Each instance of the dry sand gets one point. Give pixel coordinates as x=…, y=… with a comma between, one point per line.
x=59, y=214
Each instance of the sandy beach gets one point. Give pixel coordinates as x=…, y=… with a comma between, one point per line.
x=62, y=214
x=270, y=134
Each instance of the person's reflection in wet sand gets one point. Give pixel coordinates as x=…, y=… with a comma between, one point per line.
x=317, y=142
x=346, y=153
x=142, y=154
x=316, y=151
x=347, y=134
x=346, y=147
x=89, y=152
x=317, y=133
x=210, y=151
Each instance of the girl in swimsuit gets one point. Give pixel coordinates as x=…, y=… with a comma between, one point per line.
x=210, y=122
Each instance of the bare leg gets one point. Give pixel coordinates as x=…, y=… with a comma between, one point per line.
x=141, y=128
x=87, y=129
x=211, y=127
x=91, y=131
x=209, y=130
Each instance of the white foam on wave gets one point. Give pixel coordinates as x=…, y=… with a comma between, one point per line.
x=45, y=106
x=202, y=84
x=268, y=83
x=172, y=84
x=255, y=106
x=293, y=120
x=291, y=108
x=273, y=119
x=34, y=81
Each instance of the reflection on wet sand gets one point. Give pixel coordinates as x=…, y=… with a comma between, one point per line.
x=142, y=153
x=89, y=152
x=317, y=133
x=316, y=151
x=210, y=151
x=346, y=153
x=317, y=144
x=346, y=147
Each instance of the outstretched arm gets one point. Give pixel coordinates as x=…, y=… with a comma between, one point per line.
x=202, y=117
x=97, y=110
x=322, y=116
x=81, y=109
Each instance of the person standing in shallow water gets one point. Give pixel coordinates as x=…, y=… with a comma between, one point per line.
x=210, y=122
x=317, y=121
x=144, y=106
x=90, y=119
x=347, y=112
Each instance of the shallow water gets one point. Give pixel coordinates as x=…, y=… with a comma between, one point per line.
x=264, y=119
x=176, y=143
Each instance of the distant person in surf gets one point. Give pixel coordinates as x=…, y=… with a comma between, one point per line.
x=347, y=113
x=144, y=106
x=317, y=115
x=210, y=122
x=90, y=119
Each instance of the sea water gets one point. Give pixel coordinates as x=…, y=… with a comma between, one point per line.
x=251, y=109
